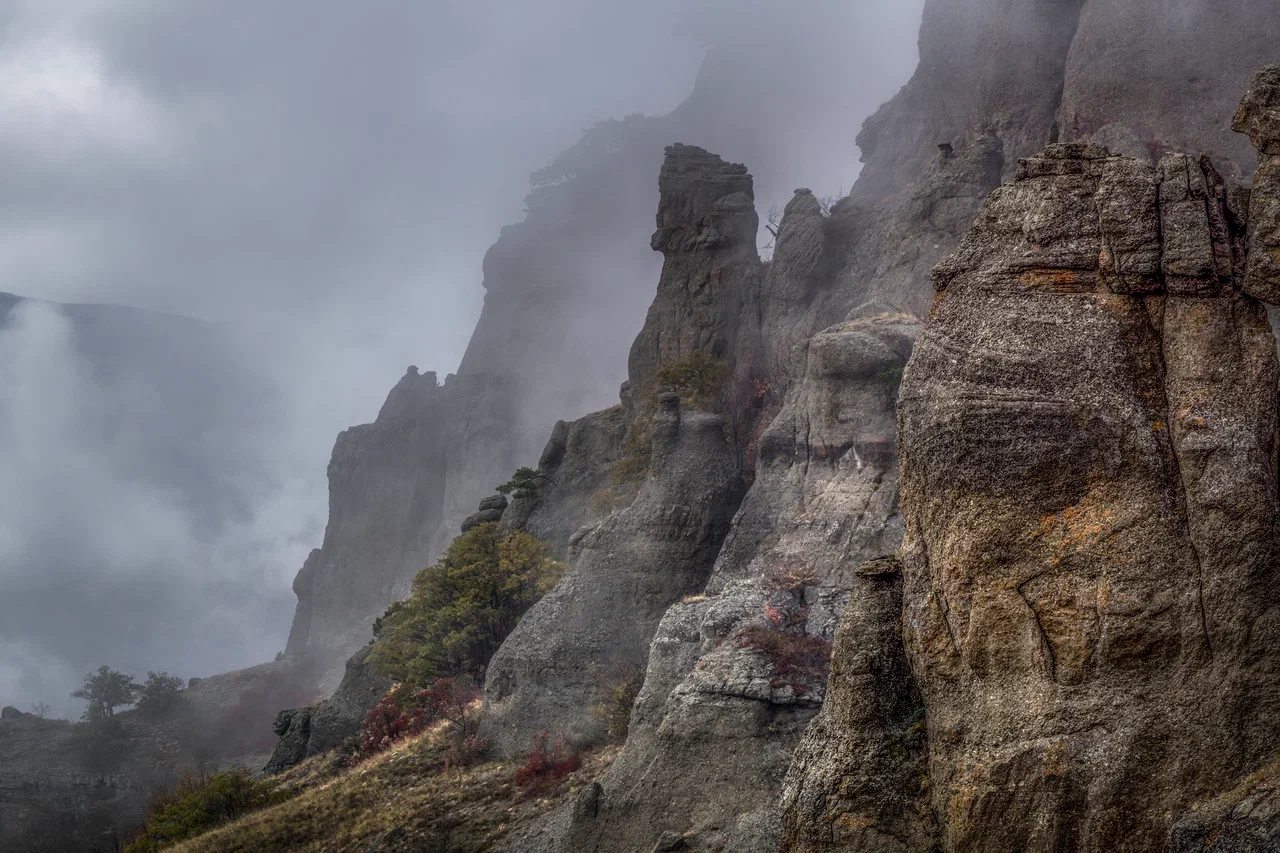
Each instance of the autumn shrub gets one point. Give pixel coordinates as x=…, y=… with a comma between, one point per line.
x=547, y=765
x=790, y=576
x=462, y=608
x=450, y=700
x=194, y=805
x=798, y=660
x=616, y=691
x=385, y=724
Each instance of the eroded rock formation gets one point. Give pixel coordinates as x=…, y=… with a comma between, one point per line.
x=624, y=574
x=735, y=675
x=859, y=779
x=386, y=517
x=1088, y=446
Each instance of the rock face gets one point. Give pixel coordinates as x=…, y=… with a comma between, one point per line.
x=734, y=676
x=385, y=516
x=575, y=465
x=332, y=723
x=706, y=233
x=1259, y=117
x=1088, y=440
x=624, y=574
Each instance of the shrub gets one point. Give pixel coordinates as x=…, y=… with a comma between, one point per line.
x=448, y=700
x=525, y=483
x=462, y=608
x=617, y=693
x=790, y=576
x=545, y=766
x=798, y=660
x=195, y=805
x=384, y=725
x=160, y=694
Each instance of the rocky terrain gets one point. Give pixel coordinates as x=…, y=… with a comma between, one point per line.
x=973, y=547
x=1129, y=268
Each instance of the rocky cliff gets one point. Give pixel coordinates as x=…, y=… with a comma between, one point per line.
x=1088, y=443
x=1088, y=436
x=920, y=191
x=566, y=291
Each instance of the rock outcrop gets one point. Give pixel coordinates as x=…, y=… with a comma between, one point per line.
x=706, y=233
x=386, y=516
x=735, y=675
x=1088, y=444
x=1259, y=118
x=859, y=780
x=332, y=723
x=624, y=574
x=575, y=466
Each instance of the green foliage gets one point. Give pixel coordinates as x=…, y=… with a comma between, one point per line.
x=105, y=691
x=698, y=379
x=462, y=608
x=196, y=805
x=616, y=693
x=525, y=482
x=160, y=694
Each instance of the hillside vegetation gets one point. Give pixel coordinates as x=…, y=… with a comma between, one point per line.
x=407, y=798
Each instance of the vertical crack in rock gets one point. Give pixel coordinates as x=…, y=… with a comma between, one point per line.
x=1117, y=471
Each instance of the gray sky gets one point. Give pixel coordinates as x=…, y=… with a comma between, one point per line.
x=318, y=180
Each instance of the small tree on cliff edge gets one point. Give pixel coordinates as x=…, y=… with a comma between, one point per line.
x=105, y=691
x=462, y=608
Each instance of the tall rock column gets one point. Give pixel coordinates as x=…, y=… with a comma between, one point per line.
x=706, y=232
x=1087, y=434
x=1259, y=117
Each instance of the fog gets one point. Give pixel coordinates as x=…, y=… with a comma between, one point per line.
x=314, y=184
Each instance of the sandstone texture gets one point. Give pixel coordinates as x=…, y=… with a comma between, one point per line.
x=1087, y=435
x=1259, y=118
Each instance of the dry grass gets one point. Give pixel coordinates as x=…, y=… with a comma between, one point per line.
x=406, y=789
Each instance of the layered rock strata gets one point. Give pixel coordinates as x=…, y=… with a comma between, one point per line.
x=1087, y=434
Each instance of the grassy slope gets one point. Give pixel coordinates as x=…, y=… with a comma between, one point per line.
x=404, y=798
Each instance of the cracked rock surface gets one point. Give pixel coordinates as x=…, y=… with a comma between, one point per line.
x=1087, y=439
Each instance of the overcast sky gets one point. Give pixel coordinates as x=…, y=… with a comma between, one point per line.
x=319, y=180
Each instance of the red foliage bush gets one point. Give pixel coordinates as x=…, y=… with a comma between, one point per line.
x=384, y=725
x=448, y=700
x=544, y=767
x=798, y=660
